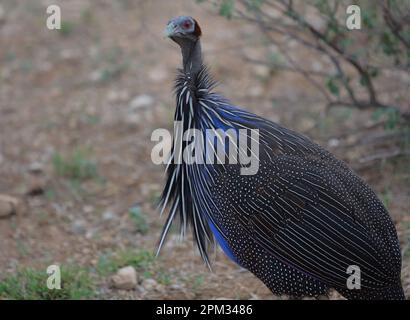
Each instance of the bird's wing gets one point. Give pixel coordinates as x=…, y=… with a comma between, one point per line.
x=299, y=216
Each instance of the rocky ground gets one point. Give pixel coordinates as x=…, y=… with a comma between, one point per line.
x=77, y=184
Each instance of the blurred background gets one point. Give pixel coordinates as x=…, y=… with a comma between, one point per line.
x=78, y=106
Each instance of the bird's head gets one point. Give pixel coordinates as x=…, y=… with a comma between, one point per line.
x=183, y=29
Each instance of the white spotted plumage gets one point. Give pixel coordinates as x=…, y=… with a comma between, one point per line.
x=298, y=223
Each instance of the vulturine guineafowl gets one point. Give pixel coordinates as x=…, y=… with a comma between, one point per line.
x=302, y=223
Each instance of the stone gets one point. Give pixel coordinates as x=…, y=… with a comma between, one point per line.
x=317, y=66
x=88, y=209
x=2, y=14
x=78, y=227
x=36, y=168
x=95, y=76
x=125, y=278
x=333, y=143
x=108, y=215
x=118, y=96
x=157, y=74
x=261, y=71
x=8, y=206
x=149, y=284
x=36, y=186
x=306, y=124
x=177, y=287
x=255, y=91
x=132, y=119
x=90, y=233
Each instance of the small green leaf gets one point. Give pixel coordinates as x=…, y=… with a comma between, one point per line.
x=322, y=6
x=388, y=43
x=140, y=222
x=393, y=118
x=332, y=86
x=369, y=18
x=391, y=115
x=364, y=81
x=275, y=59
x=373, y=72
x=255, y=4
x=226, y=8
x=67, y=28
x=377, y=114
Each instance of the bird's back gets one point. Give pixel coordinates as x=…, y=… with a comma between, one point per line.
x=308, y=213
x=303, y=223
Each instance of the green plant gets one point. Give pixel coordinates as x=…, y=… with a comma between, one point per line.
x=67, y=28
x=197, y=282
x=163, y=277
x=387, y=197
x=142, y=260
x=348, y=68
x=111, y=62
x=139, y=259
x=226, y=8
x=77, y=166
x=87, y=15
x=154, y=197
x=355, y=62
x=50, y=194
x=391, y=116
x=31, y=284
x=139, y=220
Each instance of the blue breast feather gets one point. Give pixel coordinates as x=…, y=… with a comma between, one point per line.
x=223, y=243
x=218, y=236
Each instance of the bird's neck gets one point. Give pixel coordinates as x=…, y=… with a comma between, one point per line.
x=191, y=58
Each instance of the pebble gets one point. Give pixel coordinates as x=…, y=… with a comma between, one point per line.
x=78, y=227
x=255, y=91
x=332, y=143
x=157, y=74
x=118, y=96
x=8, y=206
x=88, y=209
x=36, y=186
x=176, y=287
x=125, y=278
x=149, y=284
x=108, y=215
x=36, y=167
x=141, y=101
x=2, y=14
x=261, y=71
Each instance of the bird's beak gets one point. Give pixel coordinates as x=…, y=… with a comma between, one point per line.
x=169, y=30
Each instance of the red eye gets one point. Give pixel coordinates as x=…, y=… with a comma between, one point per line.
x=187, y=24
